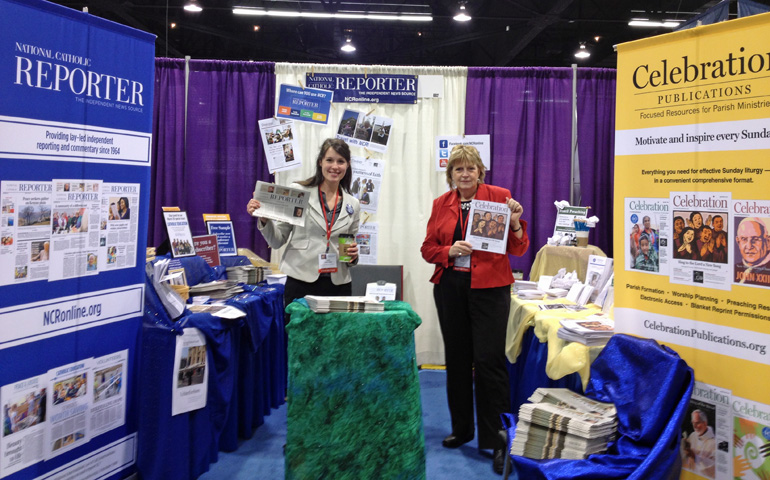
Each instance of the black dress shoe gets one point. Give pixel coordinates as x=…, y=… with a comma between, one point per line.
x=453, y=441
x=498, y=461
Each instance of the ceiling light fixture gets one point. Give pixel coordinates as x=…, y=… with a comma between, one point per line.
x=582, y=52
x=406, y=17
x=193, y=7
x=646, y=22
x=462, y=15
x=257, y=28
x=348, y=46
x=172, y=25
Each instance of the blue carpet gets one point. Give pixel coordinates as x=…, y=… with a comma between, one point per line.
x=261, y=457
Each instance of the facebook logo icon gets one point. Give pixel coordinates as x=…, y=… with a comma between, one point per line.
x=443, y=143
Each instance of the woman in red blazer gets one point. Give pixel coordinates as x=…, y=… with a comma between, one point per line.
x=473, y=298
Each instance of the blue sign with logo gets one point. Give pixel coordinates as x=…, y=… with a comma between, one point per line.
x=304, y=104
x=371, y=88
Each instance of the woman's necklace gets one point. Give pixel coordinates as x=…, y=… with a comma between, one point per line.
x=466, y=205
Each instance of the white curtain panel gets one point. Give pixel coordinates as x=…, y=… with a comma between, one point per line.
x=410, y=181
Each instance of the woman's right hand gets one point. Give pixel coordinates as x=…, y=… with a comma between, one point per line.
x=460, y=248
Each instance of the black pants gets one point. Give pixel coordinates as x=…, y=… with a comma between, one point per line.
x=323, y=287
x=473, y=323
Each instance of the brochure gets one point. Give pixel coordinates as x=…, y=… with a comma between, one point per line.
x=281, y=149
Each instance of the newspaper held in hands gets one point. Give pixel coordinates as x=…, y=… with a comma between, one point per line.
x=488, y=226
x=284, y=204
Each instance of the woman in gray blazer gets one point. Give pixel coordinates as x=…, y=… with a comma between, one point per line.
x=311, y=258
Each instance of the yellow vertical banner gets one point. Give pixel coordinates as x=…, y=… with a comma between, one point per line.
x=692, y=228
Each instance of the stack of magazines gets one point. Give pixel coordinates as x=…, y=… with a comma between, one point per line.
x=343, y=304
x=218, y=289
x=563, y=424
x=591, y=331
x=248, y=274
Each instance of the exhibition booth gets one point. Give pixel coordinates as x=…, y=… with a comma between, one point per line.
x=108, y=153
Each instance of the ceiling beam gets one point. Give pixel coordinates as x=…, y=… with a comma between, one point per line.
x=538, y=24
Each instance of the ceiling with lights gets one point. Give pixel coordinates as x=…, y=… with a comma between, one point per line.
x=399, y=32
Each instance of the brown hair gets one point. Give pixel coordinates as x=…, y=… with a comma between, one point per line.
x=341, y=148
x=462, y=154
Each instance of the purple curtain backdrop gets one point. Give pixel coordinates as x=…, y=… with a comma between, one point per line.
x=527, y=111
x=223, y=157
x=596, y=149
x=167, y=187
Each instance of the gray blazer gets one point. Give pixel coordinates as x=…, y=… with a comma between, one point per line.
x=300, y=258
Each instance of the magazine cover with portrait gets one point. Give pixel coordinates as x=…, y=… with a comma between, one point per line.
x=646, y=234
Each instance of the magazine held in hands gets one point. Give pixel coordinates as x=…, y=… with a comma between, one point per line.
x=488, y=226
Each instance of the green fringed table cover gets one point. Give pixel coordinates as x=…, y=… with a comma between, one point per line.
x=354, y=396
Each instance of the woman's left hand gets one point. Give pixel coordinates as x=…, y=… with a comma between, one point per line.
x=516, y=210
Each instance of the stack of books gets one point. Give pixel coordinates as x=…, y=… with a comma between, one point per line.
x=343, y=304
x=592, y=331
x=218, y=289
x=563, y=424
x=248, y=274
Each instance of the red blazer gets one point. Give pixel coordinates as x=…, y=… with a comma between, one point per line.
x=487, y=269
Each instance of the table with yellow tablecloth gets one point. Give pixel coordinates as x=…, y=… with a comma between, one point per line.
x=537, y=356
x=550, y=259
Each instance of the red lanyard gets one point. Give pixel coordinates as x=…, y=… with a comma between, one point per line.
x=334, y=212
x=463, y=224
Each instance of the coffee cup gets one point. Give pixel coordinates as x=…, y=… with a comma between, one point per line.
x=345, y=240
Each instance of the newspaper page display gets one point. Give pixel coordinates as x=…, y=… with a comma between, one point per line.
x=280, y=203
x=68, y=407
x=118, y=226
x=707, y=433
x=751, y=241
x=191, y=375
x=445, y=143
x=366, y=131
x=366, y=238
x=751, y=435
x=179, y=235
x=24, y=422
x=647, y=234
x=25, y=227
x=279, y=144
x=367, y=181
x=488, y=226
x=108, y=408
x=696, y=259
x=75, y=246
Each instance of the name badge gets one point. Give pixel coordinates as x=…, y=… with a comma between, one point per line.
x=463, y=263
x=327, y=262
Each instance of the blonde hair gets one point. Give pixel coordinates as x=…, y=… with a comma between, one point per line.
x=462, y=154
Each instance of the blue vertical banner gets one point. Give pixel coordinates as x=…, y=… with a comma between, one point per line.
x=76, y=96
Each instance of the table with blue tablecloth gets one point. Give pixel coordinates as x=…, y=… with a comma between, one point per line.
x=247, y=377
x=354, y=395
x=538, y=358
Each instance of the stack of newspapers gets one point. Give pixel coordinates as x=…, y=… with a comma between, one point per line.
x=218, y=289
x=248, y=274
x=527, y=290
x=592, y=331
x=563, y=424
x=343, y=304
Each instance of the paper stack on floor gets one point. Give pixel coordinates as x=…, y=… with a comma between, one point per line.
x=343, y=304
x=563, y=424
x=592, y=331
